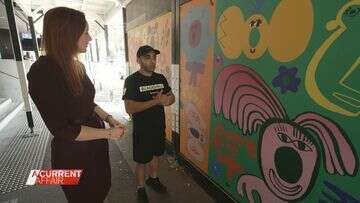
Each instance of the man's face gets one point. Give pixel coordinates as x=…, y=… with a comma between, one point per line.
x=148, y=61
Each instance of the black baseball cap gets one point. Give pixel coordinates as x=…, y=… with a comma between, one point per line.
x=143, y=50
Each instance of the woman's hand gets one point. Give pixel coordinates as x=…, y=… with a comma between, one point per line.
x=115, y=133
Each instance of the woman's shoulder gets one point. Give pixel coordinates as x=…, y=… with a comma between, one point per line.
x=43, y=66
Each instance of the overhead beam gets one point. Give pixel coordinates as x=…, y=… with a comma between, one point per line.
x=23, y=7
x=116, y=2
x=126, y=2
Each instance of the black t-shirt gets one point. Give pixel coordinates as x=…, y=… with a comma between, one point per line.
x=141, y=88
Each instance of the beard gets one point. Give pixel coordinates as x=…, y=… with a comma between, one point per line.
x=150, y=68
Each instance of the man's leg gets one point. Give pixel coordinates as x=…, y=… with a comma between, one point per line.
x=140, y=174
x=141, y=157
x=153, y=181
x=154, y=167
x=158, y=150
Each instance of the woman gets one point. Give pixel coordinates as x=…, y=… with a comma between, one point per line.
x=64, y=96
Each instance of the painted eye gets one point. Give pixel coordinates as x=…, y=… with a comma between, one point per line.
x=258, y=22
x=252, y=23
x=195, y=132
x=284, y=138
x=302, y=146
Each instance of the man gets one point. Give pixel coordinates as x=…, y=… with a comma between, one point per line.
x=145, y=94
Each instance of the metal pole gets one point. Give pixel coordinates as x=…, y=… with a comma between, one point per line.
x=175, y=71
x=33, y=36
x=97, y=51
x=126, y=42
x=19, y=62
x=91, y=53
x=106, y=33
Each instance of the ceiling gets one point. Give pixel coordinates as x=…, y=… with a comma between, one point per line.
x=95, y=10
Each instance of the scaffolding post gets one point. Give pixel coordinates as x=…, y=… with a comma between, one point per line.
x=19, y=64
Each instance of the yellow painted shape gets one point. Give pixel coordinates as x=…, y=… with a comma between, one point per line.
x=348, y=73
x=310, y=77
x=354, y=102
x=229, y=32
x=291, y=27
x=261, y=46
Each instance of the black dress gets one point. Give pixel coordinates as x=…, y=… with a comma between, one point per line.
x=63, y=115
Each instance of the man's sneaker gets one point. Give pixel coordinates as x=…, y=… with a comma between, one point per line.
x=141, y=195
x=156, y=185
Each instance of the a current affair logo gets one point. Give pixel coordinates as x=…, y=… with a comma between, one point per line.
x=54, y=177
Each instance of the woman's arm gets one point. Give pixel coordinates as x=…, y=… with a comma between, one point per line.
x=89, y=133
x=45, y=91
x=107, y=117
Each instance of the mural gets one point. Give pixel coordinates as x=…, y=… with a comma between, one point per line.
x=285, y=101
x=273, y=36
x=283, y=121
x=339, y=92
x=195, y=40
x=197, y=138
x=339, y=195
x=196, y=59
x=245, y=99
x=227, y=146
x=157, y=34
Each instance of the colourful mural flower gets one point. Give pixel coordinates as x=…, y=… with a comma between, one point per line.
x=218, y=61
x=216, y=168
x=286, y=80
x=196, y=39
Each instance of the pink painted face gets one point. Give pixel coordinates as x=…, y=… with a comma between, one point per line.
x=195, y=131
x=288, y=159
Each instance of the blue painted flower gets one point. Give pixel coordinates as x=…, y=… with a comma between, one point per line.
x=215, y=168
x=286, y=80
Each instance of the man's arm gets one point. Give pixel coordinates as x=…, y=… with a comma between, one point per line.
x=170, y=99
x=132, y=106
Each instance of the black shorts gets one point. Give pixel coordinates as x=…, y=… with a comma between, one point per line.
x=147, y=144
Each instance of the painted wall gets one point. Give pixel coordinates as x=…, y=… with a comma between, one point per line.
x=285, y=103
x=269, y=103
x=156, y=33
x=196, y=59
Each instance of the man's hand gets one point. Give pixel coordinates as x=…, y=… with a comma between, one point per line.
x=162, y=99
x=115, y=123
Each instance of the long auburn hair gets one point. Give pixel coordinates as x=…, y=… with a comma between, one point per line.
x=62, y=29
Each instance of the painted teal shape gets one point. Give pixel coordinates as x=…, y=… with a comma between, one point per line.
x=254, y=37
x=196, y=52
